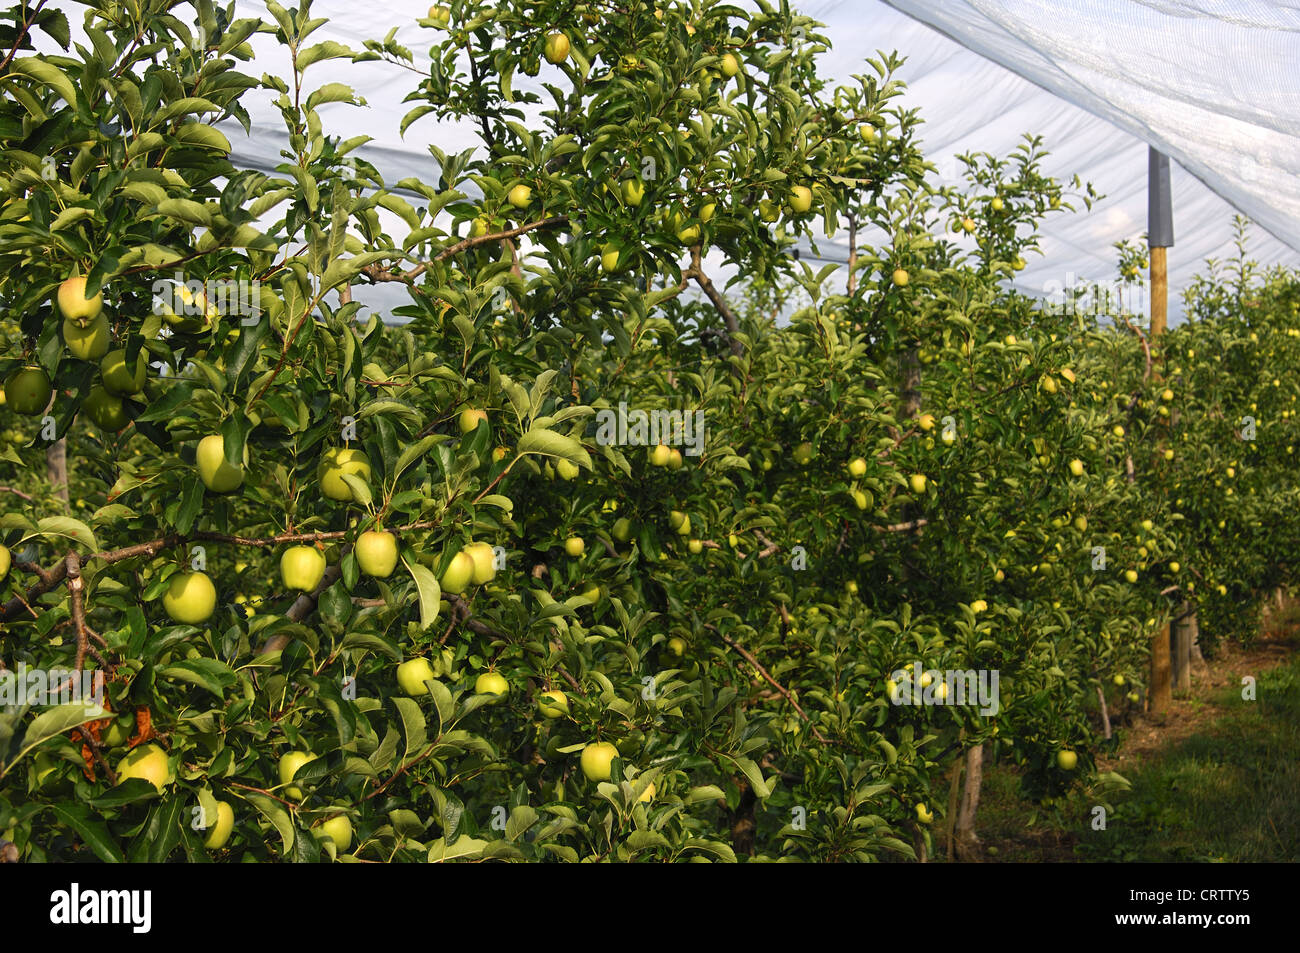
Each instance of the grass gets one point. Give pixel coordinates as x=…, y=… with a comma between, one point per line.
x=1226, y=793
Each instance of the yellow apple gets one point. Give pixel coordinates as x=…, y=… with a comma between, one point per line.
x=553, y=704
x=73, y=303
x=469, y=419
x=609, y=259
x=491, y=683
x=459, y=574
x=575, y=546
x=923, y=814
x=901, y=277
x=290, y=763
x=88, y=342
x=337, y=829
x=857, y=467
x=190, y=598
x=376, y=552
x=596, y=759
x=413, y=673
x=335, y=464
x=5, y=561
x=148, y=762
x=557, y=50
x=220, y=829
x=520, y=196
x=302, y=567
x=218, y=475
x=660, y=456
x=1076, y=467
x=801, y=199
x=1066, y=759
x=917, y=482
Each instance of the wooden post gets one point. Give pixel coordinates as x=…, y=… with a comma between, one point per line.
x=1160, y=235
x=1182, y=660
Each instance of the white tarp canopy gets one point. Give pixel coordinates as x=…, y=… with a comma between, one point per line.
x=1214, y=84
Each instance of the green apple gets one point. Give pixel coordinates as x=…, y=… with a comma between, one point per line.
x=801, y=199
x=609, y=256
x=220, y=829
x=459, y=574
x=337, y=829
x=917, y=482
x=89, y=342
x=676, y=646
x=120, y=379
x=5, y=562
x=633, y=191
x=1118, y=679
x=28, y=391
x=218, y=475
x=688, y=235
x=73, y=303
x=659, y=456
x=413, y=673
x=596, y=759
x=491, y=683
x=376, y=552
x=857, y=467
x=575, y=546
x=440, y=15
x=469, y=419
x=695, y=546
x=336, y=463
x=803, y=453
x=105, y=409
x=675, y=460
x=622, y=529
x=557, y=48
x=1066, y=759
x=566, y=470
x=520, y=196
x=553, y=704
x=148, y=762
x=1081, y=523
x=485, y=565
x=302, y=567
x=190, y=598
x=996, y=204
x=290, y=762
x=860, y=499
x=676, y=520
x=730, y=65
x=1076, y=468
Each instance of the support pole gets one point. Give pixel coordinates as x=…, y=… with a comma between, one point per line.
x=1160, y=235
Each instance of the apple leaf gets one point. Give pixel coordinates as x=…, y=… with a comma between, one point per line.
x=55, y=722
x=428, y=590
x=278, y=816
x=463, y=849
x=94, y=834
x=65, y=526
x=414, y=727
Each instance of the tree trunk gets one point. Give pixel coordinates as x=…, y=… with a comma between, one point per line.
x=969, y=849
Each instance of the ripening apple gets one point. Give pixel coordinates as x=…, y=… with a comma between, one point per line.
x=120, y=379
x=105, y=409
x=968, y=225
x=1066, y=759
x=575, y=546
x=337, y=829
x=925, y=422
x=376, y=552
x=901, y=277
x=633, y=191
x=801, y=199
x=609, y=259
x=1076, y=467
x=337, y=463
x=219, y=831
x=459, y=574
x=191, y=598
x=520, y=196
x=553, y=704
x=73, y=303
x=148, y=762
x=917, y=482
x=1131, y=576
x=491, y=683
x=87, y=342
x=469, y=419
x=1175, y=566
x=290, y=762
x=28, y=391
x=557, y=48
x=660, y=455
x=218, y=475
x=857, y=467
x=923, y=814
x=302, y=567
x=596, y=759
x=730, y=65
